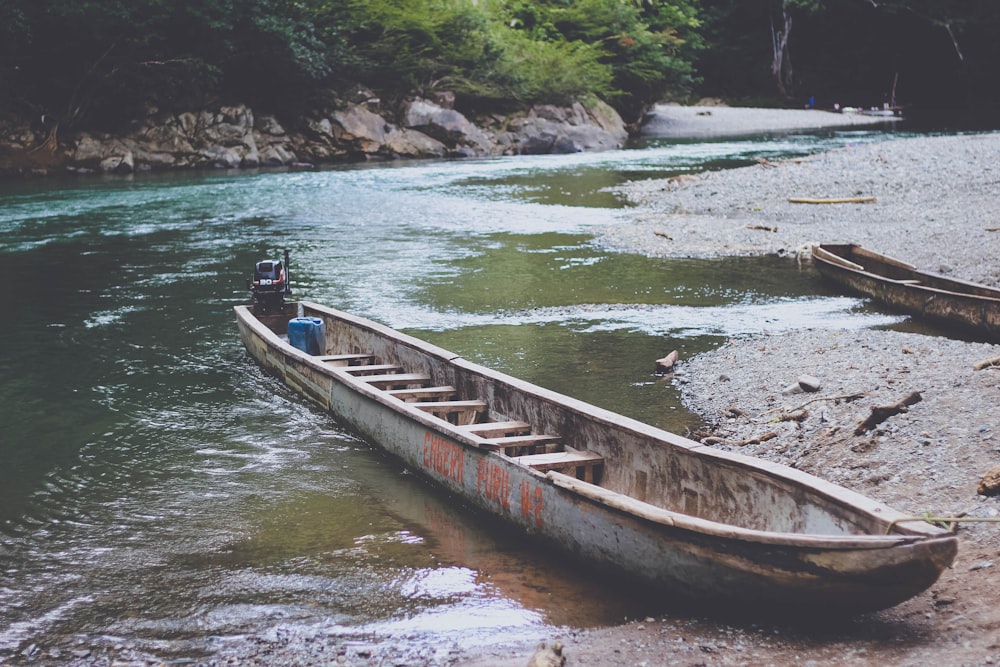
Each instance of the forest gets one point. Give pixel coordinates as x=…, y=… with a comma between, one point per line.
x=100, y=63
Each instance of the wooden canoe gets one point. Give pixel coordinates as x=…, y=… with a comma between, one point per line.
x=701, y=524
x=901, y=285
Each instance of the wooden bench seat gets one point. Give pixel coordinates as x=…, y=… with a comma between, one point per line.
x=455, y=412
x=585, y=465
x=498, y=429
x=395, y=380
x=518, y=443
x=346, y=359
x=423, y=393
x=373, y=369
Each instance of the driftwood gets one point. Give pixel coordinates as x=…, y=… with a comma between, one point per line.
x=842, y=397
x=762, y=228
x=664, y=235
x=986, y=363
x=667, y=363
x=831, y=200
x=51, y=143
x=882, y=412
x=796, y=416
x=759, y=439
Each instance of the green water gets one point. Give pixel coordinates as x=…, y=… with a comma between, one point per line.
x=158, y=490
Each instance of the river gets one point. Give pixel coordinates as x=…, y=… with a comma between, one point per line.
x=159, y=492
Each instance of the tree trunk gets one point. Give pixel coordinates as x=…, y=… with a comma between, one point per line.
x=781, y=61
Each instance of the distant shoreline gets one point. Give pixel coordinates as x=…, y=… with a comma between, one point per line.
x=670, y=120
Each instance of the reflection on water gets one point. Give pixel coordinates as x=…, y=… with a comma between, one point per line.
x=159, y=490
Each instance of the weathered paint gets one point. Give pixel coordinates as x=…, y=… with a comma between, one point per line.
x=713, y=525
x=532, y=503
x=444, y=457
x=493, y=483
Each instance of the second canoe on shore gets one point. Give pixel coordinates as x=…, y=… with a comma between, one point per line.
x=901, y=285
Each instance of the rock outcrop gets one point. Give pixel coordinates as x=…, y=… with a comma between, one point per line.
x=551, y=129
x=233, y=137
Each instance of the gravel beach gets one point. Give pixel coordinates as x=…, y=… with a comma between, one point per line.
x=686, y=122
x=935, y=207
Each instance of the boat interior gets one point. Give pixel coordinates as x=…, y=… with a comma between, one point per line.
x=546, y=432
x=520, y=440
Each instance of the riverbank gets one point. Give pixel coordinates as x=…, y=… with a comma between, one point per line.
x=359, y=130
x=362, y=130
x=934, y=207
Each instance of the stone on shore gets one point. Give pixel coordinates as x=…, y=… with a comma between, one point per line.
x=233, y=137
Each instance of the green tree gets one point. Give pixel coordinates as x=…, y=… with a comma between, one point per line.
x=106, y=61
x=648, y=45
x=82, y=59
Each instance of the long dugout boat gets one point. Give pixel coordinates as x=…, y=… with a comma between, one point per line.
x=699, y=524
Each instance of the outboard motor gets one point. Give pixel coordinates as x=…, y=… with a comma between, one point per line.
x=269, y=285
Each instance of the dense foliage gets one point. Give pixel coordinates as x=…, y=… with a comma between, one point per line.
x=108, y=61
x=921, y=53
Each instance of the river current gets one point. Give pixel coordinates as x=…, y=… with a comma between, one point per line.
x=158, y=490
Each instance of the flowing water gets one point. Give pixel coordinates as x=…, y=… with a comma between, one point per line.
x=158, y=490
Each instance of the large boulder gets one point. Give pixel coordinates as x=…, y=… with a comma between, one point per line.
x=222, y=157
x=447, y=126
x=148, y=160
x=103, y=153
x=88, y=150
x=277, y=155
x=360, y=129
x=274, y=146
x=119, y=164
x=404, y=142
x=551, y=129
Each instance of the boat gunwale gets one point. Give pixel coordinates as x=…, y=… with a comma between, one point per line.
x=782, y=476
x=659, y=515
x=819, y=253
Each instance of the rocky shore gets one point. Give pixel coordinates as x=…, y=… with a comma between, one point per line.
x=234, y=137
x=934, y=202
x=360, y=128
